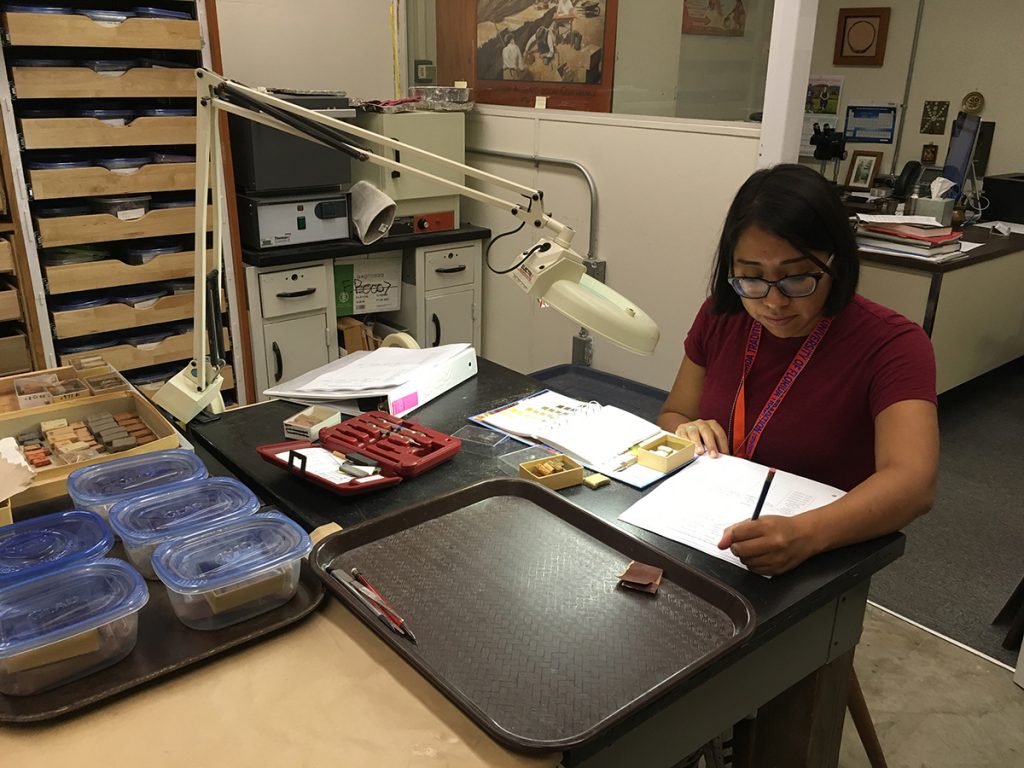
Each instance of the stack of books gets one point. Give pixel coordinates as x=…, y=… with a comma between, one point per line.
x=909, y=240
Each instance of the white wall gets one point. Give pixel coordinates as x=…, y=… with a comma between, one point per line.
x=315, y=44
x=664, y=188
x=647, y=57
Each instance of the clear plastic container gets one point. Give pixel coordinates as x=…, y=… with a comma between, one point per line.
x=126, y=208
x=41, y=544
x=509, y=463
x=229, y=574
x=67, y=623
x=146, y=521
x=73, y=254
x=484, y=442
x=99, y=487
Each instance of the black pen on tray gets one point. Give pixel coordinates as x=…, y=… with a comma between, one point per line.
x=764, y=493
x=403, y=627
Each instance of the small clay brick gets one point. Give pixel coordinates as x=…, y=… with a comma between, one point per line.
x=118, y=417
x=83, y=434
x=145, y=440
x=46, y=426
x=140, y=430
x=107, y=435
x=43, y=462
x=123, y=444
x=31, y=447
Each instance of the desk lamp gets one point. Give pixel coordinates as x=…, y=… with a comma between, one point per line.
x=549, y=270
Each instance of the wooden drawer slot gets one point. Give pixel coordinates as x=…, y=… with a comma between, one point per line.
x=6, y=255
x=14, y=354
x=80, y=182
x=125, y=357
x=83, y=82
x=115, y=317
x=82, y=32
x=10, y=309
x=68, y=132
x=110, y=273
x=100, y=227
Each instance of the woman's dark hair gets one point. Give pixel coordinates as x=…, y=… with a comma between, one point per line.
x=797, y=204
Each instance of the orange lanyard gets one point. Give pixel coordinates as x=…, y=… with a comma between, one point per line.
x=744, y=443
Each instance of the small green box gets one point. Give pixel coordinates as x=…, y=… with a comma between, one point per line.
x=370, y=283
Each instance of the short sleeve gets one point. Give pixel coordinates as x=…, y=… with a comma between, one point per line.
x=696, y=343
x=905, y=370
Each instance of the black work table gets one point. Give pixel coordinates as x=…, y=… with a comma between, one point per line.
x=793, y=668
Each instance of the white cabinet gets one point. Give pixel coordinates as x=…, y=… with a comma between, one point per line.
x=291, y=314
x=441, y=294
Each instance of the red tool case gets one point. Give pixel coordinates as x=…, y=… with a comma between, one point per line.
x=401, y=448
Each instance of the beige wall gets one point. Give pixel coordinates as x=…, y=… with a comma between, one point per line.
x=664, y=188
x=313, y=44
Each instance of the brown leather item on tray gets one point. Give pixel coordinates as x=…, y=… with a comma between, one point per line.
x=509, y=588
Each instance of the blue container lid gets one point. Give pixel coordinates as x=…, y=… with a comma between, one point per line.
x=180, y=509
x=110, y=65
x=43, y=112
x=54, y=164
x=165, y=63
x=104, y=15
x=121, y=478
x=61, y=603
x=86, y=344
x=47, y=210
x=154, y=249
x=41, y=544
x=141, y=295
x=107, y=114
x=37, y=9
x=171, y=157
x=151, y=376
x=73, y=254
x=221, y=556
x=147, y=337
x=160, y=13
x=44, y=63
x=119, y=163
x=168, y=112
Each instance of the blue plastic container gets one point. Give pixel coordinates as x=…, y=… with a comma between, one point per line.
x=41, y=544
x=110, y=65
x=37, y=113
x=73, y=254
x=229, y=574
x=172, y=157
x=87, y=344
x=122, y=163
x=110, y=16
x=73, y=301
x=67, y=623
x=99, y=487
x=142, y=338
x=44, y=63
x=56, y=10
x=107, y=113
x=148, y=520
x=144, y=253
x=146, y=11
x=52, y=210
x=168, y=112
x=175, y=200
x=141, y=296
x=56, y=164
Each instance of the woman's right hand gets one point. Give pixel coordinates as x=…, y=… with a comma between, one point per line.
x=707, y=434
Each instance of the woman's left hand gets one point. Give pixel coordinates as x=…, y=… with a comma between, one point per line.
x=771, y=544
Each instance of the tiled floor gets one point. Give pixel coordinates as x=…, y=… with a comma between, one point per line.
x=934, y=704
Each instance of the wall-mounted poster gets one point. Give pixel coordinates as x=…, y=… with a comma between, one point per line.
x=933, y=117
x=563, y=50
x=714, y=17
x=821, y=107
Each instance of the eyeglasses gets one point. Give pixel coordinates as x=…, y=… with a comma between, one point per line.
x=793, y=287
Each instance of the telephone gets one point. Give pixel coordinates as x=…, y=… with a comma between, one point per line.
x=908, y=178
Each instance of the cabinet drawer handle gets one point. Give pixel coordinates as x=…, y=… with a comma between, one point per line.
x=450, y=270
x=278, y=362
x=297, y=294
x=437, y=330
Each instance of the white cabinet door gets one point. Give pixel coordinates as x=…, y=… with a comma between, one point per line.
x=295, y=346
x=448, y=318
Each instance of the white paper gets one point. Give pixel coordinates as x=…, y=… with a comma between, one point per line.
x=884, y=218
x=325, y=465
x=1012, y=226
x=923, y=257
x=697, y=504
x=15, y=472
x=378, y=370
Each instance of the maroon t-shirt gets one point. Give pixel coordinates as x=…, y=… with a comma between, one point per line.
x=870, y=358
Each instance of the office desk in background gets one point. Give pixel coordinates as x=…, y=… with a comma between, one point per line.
x=971, y=307
x=794, y=668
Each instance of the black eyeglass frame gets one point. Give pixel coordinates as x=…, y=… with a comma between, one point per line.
x=733, y=280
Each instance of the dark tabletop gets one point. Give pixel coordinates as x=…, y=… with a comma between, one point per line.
x=993, y=246
x=777, y=602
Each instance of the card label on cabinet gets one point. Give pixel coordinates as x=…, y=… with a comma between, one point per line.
x=368, y=285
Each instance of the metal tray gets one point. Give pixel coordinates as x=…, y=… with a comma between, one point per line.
x=513, y=595
x=164, y=646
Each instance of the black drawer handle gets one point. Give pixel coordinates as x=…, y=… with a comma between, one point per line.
x=297, y=294
x=437, y=330
x=278, y=362
x=450, y=270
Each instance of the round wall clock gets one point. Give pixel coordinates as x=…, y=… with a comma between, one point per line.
x=973, y=103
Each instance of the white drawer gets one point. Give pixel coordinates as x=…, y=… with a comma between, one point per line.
x=448, y=267
x=294, y=290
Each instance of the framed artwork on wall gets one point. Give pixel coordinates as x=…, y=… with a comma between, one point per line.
x=562, y=50
x=714, y=17
x=860, y=37
x=863, y=169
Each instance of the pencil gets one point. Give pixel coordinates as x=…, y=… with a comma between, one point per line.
x=764, y=493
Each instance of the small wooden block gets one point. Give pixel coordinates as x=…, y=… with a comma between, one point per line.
x=46, y=426
x=596, y=480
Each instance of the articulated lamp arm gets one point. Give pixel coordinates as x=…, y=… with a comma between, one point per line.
x=550, y=270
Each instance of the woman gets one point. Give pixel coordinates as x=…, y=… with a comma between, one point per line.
x=787, y=366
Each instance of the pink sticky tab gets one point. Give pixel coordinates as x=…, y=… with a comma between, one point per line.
x=404, y=404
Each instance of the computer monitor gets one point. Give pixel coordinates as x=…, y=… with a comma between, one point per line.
x=962, y=141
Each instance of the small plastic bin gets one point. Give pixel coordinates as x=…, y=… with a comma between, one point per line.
x=99, y=487
x=665, y=452
x=484, y=442
x=41, y=544
x=145, y=521
x=107, y=382
x=509, y=462
x=229, y=574
x=68, y=389
x=125, y=207
x=306, y=424
x=68, y=623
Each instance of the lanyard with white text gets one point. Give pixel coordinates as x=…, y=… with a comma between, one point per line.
x=744, y=447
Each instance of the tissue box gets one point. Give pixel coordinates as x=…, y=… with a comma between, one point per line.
x=941, y=209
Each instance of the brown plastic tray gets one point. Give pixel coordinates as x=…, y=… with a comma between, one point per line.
x=512, y=593
x=164, y=646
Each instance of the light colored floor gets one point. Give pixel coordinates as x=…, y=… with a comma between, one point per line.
x=934, y=704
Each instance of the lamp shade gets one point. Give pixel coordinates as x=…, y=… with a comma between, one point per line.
x=597, y=307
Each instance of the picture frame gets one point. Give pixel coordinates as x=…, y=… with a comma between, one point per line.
x=861, y=34
x=863, y=169
x=571, y=68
